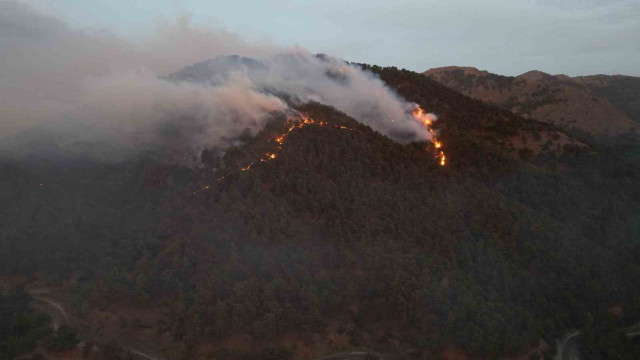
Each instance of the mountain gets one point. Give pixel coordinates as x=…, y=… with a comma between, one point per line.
x=597, y=104
x=339, y=238
x=217, y=70
x=622, y=91
x=478, y=124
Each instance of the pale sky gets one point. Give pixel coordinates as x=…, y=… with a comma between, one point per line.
x=509, y=37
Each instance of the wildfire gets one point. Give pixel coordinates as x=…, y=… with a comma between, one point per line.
x=301, y=121
x=427, y=121
x=298, y=122
x=247, y=167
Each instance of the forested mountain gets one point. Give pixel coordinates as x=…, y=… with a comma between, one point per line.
x=597, y=104
x=345, y=239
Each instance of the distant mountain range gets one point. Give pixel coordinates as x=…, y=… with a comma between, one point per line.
x=597, y=104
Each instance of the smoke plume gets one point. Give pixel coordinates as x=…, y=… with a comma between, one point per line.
x=91, y=91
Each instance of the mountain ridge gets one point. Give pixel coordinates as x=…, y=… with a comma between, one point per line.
x=597, y=104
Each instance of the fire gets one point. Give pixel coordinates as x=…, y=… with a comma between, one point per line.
x=427, y=121
x=299, y=122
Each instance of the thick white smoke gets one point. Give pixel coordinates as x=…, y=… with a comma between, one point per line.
x=93, y=90
x=359, y=94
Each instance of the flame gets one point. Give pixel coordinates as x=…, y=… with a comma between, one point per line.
x=299, y=122
x=247, y=167
x=427, y=122
x=303, y=121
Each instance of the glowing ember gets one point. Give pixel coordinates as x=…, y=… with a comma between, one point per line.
x=247, y=167
x=300, y=122
x=427, y=121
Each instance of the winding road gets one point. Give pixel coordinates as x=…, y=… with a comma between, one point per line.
x=355, y=355
x=568, y=347
x=60, y=317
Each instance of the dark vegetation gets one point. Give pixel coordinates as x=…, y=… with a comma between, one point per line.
x=20, y=327
x=27, y=333
x=622, y=91
x=469, y=81
x=546, y=93
x=607, y=340
x=490, y=254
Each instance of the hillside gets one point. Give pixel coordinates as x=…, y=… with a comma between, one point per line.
x=597, y=104
x=474, y=123
x=622, y=91
x=345, y=239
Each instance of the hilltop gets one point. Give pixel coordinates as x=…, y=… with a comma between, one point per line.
x=598, y=104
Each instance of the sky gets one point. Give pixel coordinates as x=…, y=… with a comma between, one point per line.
x=508, y=37
x=76, y=89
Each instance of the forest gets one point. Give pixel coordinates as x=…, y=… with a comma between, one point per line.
x=349, y=235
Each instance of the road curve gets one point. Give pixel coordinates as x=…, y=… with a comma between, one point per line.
x=355, y=355
x=38, y=295
x=142, y=354
x=568, y=347
x=57, y=306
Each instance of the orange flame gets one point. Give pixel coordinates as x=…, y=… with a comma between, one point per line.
x=301, y=122
x=426, y=121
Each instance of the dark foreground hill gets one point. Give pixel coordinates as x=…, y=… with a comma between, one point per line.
x=345, y=240
x=597, y=104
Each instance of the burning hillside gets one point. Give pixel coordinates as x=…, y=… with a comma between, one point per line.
x=298, y=120
x=427, y=120
x=107, y=98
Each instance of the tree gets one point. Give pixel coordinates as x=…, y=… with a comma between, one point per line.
x=65, y=338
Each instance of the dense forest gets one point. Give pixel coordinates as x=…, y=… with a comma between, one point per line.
x=20, y=327
x=347, y=234
x=26, y=333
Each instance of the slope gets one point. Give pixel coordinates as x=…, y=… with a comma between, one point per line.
x=592, y=104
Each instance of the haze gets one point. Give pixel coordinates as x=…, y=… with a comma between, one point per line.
x=83, y=91
x=506, y=37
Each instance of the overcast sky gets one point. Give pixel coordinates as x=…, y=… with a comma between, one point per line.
x=509, y=37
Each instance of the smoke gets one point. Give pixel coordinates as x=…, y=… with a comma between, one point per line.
x=92, y=91
x=346, y=87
